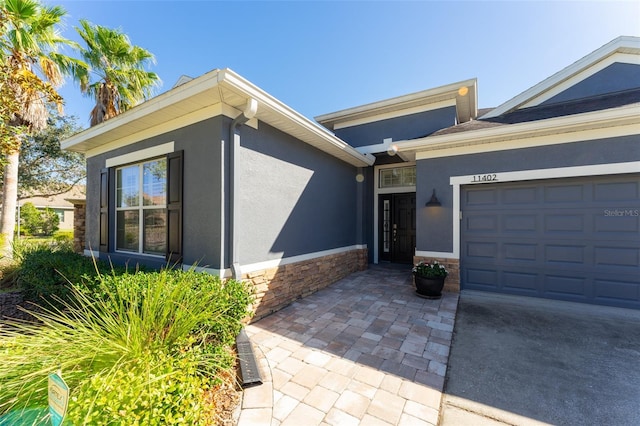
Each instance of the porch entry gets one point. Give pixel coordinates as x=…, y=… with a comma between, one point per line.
x=397, y=227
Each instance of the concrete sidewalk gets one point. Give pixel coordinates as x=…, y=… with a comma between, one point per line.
x=365, y=350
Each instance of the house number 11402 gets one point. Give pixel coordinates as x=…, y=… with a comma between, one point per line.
x=485, y=178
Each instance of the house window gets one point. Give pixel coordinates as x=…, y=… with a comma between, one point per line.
x=60, y=214
x=397, y=177
x=141, y=208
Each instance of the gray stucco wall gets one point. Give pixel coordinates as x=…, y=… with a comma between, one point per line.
x=434, y=225
x=294, y=199
x=400, y=128
x=614, y=78
x=201, y=143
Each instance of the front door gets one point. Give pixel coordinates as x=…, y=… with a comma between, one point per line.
x=397, y=227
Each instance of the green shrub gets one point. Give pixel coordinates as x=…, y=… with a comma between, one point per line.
x=30, y=219
x=63, y=236
x=46, y=272
x=140, y=349
x=34, y=221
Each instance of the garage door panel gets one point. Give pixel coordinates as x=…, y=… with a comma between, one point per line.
x=520, y=223
x=520, y=252
x=624, y=257
x=481, y=279
x=567, y=222
x=520, y=282
x=482, y=250
x=564, y=254
x=482, y=197
x=482, y=223
x=526, y=195
x=570, y=239
x=565, y=285
x=615, y=191
x=564, y=193
x=628, y=291
x=619, y=224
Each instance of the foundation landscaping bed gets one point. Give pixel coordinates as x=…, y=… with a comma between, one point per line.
x=134, y=347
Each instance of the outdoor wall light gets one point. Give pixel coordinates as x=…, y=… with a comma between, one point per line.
x=433, y=202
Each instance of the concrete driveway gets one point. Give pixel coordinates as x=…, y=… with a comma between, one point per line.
x=529, y=361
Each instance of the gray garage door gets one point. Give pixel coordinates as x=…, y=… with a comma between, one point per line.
x=568, y=239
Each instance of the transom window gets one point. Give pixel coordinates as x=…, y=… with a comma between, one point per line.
x=141, y=208
x=397, y=176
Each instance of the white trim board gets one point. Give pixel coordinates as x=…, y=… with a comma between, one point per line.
x=270, y=264
x=140, y=155
x=274, y=263
x=530, y=142
x=518, y=176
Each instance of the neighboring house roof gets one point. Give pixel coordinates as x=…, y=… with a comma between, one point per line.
x=567, y=77
x=220, y=91
x=463, y=94
x=57, y=201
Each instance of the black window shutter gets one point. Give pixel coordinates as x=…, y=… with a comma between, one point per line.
x=174, y=207
x=104, y=210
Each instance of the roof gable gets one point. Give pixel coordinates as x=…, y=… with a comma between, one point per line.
x=617, y=77
x=462, y=95
x=585, y=78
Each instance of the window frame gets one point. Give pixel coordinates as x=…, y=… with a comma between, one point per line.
x=106, y=202
x=141, y=208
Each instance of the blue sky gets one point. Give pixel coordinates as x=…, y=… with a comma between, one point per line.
x=320, y=57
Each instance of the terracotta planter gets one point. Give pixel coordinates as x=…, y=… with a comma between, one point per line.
x=429, y=288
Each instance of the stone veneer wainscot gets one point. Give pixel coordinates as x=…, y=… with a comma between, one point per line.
x=278, y=287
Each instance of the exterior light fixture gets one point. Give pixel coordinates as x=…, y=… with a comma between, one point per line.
x=433, y=202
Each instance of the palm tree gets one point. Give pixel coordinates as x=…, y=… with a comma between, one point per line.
x=30, y=70
x=115, y=77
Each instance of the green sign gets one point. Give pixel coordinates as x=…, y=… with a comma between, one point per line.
x=58, y=399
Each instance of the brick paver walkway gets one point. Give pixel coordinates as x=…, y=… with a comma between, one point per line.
x=365, y=350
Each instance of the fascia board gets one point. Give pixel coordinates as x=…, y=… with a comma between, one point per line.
x=392, y=104
x=586, y=121
x=621, y=44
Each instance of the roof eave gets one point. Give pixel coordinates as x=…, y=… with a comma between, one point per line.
x=270, y=110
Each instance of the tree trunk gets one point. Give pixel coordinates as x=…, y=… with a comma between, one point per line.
x=9, y=203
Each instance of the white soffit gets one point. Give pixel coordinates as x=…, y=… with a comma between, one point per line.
x=622, y=49
x=462, y=94
x=219, y=91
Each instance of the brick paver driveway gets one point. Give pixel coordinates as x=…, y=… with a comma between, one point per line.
x=365, y=350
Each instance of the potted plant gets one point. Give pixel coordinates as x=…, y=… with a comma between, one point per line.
x=429, y=279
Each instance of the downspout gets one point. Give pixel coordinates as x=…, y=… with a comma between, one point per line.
x=234, y=184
